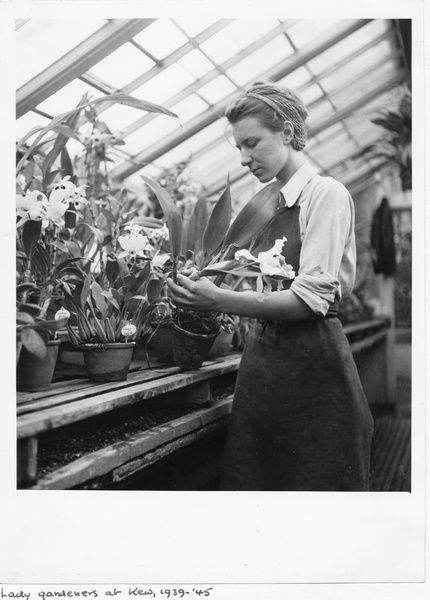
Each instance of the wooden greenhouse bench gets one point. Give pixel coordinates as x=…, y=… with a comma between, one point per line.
x=76, y=400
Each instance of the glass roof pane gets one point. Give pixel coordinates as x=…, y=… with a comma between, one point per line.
x=194, y=25
x=164, y=85
x=319, y=113
x=189, y=108
x=329, y=133
x=306, y=30
x=150, y=133
x=161, y=38
x=42, y=41
x=348, y=45
x=27, y=122
x=296, y=79
x=260, y=61
x=68, y=97
x=235, y=37
x=119, y=116
x=310, y=94
x=122, y=66
x=196, y=63
x=363, y=85
x=217, y=89
x=356, y=65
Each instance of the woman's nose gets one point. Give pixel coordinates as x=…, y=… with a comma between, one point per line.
x=245, y=158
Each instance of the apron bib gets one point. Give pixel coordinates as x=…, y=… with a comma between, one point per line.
x=300, y=420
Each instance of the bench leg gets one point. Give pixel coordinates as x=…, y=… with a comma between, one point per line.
x=26, y=461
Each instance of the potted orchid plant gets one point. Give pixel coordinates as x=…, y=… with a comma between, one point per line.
x=209, y=244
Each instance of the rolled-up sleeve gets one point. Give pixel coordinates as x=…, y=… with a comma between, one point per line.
x=328, y=240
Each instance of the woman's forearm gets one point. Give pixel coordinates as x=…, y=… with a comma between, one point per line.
x=282, y=305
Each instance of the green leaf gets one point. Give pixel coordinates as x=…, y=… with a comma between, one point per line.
x=121, y=98
x=254, y=216
x=99, y=299
x=30, y=235
x=85, y=290
x=153, y=290
x=66, y=163
x=194, y=226
x=172, y=214
x=33, y=342
x=218, y=224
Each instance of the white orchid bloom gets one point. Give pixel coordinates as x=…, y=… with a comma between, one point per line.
x=134, y=244
x=55, y=211
x=79, y=198
x=245, y=255
x=63, y=191
x=159, y=260
x=159, y=234
x=32, y=206
x=133, y=229
x=271, y=262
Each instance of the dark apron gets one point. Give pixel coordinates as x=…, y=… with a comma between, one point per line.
x=300, y=419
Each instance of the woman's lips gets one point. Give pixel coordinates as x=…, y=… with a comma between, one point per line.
x=255, y=171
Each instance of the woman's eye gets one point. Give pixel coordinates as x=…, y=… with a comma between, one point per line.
x=252, y=143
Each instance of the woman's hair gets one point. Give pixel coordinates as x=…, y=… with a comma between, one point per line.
x=273, y=105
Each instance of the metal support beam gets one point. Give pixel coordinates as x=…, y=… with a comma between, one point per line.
x=76, y=62
x=319, y=45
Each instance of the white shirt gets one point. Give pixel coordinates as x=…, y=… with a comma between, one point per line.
x=328, y=255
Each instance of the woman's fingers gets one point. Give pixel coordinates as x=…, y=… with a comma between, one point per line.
x=186, y=282
x=192, y=273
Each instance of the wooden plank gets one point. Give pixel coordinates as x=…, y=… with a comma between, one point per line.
x=79, y=391
x=134, y=466
x=26, y=461
x=103, y=461
x=368, y=342
x=51, y=418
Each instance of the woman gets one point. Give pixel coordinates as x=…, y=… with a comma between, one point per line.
x=300, y=419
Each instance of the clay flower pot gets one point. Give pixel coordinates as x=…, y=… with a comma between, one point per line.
x=108, y=362
x=222, y=346
x=190, y=349
x=34, y=374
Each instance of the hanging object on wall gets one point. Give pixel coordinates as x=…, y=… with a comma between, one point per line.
x=382, y=239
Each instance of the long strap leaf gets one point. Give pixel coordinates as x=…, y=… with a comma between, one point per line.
x=254, y=216
x=218, y=224
x=172, y=214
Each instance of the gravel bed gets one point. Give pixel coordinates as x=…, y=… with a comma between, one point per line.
x=66, y=444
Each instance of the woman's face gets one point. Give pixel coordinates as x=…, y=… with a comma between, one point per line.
x=263, y=151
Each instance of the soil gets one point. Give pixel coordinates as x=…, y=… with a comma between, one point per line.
x=66, y=444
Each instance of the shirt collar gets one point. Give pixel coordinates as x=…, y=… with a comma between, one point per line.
x=294, y=186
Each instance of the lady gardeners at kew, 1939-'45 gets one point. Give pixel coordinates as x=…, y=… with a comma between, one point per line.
x=300, y=420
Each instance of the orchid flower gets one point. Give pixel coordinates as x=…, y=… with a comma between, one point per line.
x=31, y=207
x=159, y=260
x=134, y=242
x=271, y=262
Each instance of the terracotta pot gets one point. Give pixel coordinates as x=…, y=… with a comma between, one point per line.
x=34, y=374
x=222, y=345
x=108, y=362
x=190, y=349
x=70, y=354
x=158, y=350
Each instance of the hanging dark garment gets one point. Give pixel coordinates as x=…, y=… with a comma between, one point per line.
x=300, y=420
x=382, y=240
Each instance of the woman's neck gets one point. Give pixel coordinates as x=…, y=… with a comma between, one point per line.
x=295, y=161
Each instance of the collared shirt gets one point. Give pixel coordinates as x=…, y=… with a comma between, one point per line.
x=328, y=255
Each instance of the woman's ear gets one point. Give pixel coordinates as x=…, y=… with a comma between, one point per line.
x=288, y=132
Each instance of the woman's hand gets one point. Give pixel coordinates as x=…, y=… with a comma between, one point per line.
x=200, y=294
